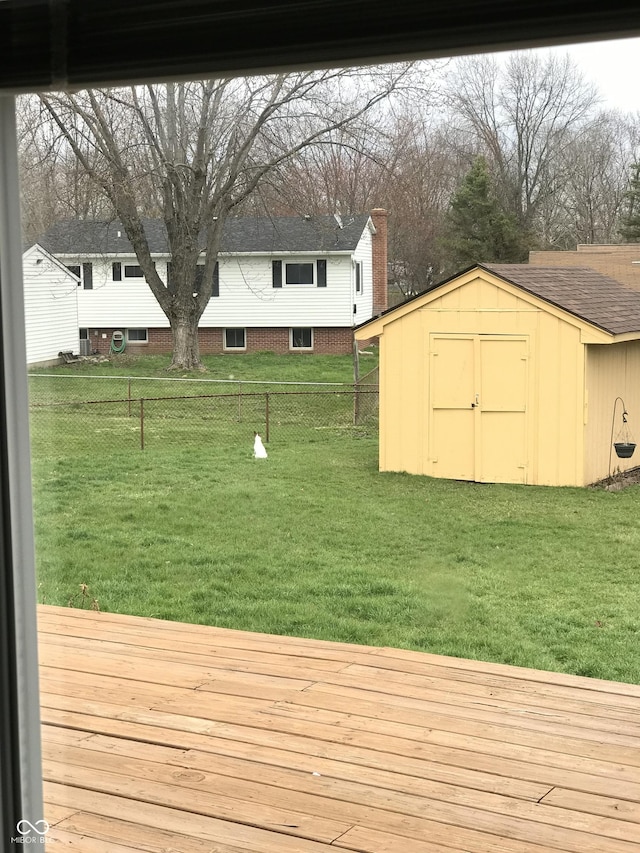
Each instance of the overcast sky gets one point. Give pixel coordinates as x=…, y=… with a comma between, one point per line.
x=613, y=66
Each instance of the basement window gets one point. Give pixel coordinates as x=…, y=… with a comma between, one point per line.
x=235, y=339
x=137, y=336
x=301, y=339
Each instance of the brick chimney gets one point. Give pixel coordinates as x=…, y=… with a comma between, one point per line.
x=379, y=241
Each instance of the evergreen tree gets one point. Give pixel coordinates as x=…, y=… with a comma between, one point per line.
x=630, y=225
x=477, y=230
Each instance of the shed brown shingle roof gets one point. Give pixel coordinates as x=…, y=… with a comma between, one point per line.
x=581, y=291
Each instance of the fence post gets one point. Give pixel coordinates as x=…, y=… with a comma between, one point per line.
x=266, y=416
x=141, y=424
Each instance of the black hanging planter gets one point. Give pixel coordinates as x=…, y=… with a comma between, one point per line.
x=624, y=445
x=624, y=449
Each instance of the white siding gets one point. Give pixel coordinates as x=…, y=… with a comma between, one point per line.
x=364, y=300
x=51, y=307
x=113, y=304
x=247, y=297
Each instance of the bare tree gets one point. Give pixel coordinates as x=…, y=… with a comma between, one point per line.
x=594, y=167
x=427, y=170
x=197, y=151
x=521, y=114
x=341, y=175
x=54, y=184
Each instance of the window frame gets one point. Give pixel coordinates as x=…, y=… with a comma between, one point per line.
x=22, y=782
x=300, y=265
x=137, y=341
x=138, y=274
x=293, y=330
x=358, y=272
x=226, y=347
x=280, y=271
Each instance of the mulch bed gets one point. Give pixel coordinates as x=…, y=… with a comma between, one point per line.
x=620, y=480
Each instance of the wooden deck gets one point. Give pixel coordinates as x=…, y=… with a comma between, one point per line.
x=162, y=736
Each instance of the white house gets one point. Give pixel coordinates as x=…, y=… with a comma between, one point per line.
x=50, y=305
x=284, y=284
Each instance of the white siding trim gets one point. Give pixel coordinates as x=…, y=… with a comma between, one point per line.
x=247, y=297
x=51, y=306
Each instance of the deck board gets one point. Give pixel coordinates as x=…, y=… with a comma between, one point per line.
x=164, y=736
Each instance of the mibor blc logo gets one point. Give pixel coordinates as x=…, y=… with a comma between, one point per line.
x=31, y=833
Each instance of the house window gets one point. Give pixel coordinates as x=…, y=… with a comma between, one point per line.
x=84, y=334
x=84, y=272
x=358, y=274
x=305, y=272
x=235, y=339
x=132, y=271
x=299, y=273
x=137, y=336
x=301, y=339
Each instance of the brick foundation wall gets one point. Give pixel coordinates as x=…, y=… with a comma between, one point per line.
x=326, y=341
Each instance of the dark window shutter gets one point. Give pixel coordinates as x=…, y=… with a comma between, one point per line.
x=215, y=290
x=116, y=268
x=322, y=273
x=276, y=272
x=199, y=276
x=169, y=281
x=358, y=278
x=87, y=276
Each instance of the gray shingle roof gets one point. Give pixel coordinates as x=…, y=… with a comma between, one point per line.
x=581, y=291
x=241, y=234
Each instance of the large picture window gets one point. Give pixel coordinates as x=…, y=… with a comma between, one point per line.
x=35, y=59
x=299, y=273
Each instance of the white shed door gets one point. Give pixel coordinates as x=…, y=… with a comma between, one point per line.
x=478, y=407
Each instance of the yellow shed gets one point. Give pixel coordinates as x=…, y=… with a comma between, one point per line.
x=510, y=373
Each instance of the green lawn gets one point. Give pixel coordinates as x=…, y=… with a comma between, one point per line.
x=257, y=367
x=314, y=541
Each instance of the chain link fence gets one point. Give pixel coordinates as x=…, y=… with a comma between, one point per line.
x=88, y=415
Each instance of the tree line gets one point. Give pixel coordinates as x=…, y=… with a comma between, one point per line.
x=476, y=159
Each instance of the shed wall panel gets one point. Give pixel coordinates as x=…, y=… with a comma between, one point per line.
x=558, y=451
x=402, y=379
x=612, y=371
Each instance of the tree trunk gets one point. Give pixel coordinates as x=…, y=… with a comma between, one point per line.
x=186, y=350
